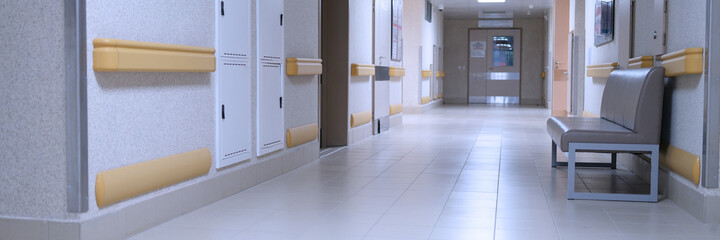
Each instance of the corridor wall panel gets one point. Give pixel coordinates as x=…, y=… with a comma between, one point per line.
x=270, y=75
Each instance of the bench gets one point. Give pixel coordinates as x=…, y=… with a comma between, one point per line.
x=630, y=122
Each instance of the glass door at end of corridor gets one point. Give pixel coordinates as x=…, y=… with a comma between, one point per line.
x=494, y=71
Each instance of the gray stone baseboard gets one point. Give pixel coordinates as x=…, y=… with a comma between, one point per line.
x=697, y=201
x=140, y=216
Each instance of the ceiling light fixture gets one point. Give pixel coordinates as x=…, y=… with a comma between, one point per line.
x=491, y=1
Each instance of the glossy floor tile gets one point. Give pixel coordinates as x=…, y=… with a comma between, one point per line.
x=455, y=172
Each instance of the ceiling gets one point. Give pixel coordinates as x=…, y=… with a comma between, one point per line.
x=471, y=9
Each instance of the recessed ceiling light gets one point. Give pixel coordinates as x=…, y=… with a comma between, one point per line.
x=491, y=1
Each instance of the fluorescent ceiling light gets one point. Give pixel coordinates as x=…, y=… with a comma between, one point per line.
x=491, y=1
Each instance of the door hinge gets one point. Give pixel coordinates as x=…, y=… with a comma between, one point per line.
x=223, y=111
x=222, y=8
x=280, y=102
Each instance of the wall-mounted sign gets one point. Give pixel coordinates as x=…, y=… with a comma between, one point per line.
x=477, y=49
x=396, y=42
x=604, y=21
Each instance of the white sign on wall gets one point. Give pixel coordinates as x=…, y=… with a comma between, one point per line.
x=477, y=49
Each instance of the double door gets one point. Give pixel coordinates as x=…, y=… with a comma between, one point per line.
x=494, y=66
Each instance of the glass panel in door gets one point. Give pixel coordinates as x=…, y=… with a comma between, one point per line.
x=503, y=72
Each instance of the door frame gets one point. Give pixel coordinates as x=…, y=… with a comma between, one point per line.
x=711, y=126
x=560, y=36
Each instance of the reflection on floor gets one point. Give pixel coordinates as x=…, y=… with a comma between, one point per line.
x=456, y=172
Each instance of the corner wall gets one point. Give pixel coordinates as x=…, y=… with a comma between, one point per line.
x=419, y=37
x=32, y=110
x=683, y=106
x=138, y=116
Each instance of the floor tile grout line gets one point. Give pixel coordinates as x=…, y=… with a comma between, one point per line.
x=451, y=191
x=497, y=190
x=547, y=201
x=396, y=200
x=344, y=200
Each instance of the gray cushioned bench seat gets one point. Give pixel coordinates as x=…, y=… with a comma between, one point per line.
x=630, y=121
x=564, y=130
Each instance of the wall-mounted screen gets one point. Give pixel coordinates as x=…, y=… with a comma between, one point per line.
x=604, y=21
x=428, y=11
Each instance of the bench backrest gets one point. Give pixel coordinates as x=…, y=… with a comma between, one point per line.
x=633, y=98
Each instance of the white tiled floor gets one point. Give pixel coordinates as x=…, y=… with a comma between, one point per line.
x=456, y=172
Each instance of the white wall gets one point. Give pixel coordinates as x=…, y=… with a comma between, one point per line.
x=301, y=41
x=396, y=85
x=413, y=15
x=431, y=40
x=549, y=56
x=615, y=51
x=136, y=117
x=32, y=110
x=533, y=50
x=456, y=60
x=360, y=45
x=417, y=33
x=684, y=95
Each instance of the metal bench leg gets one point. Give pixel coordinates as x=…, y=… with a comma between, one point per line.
x=654, y=162
x=554, y=154
x=613, y=162
x=555, y=163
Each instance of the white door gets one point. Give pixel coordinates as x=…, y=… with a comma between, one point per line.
x=503, y=78
x=270, y=121
x=269, y=114
x=234, y=29
x=234, y=112
x=270, y=30
x=233, y=82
